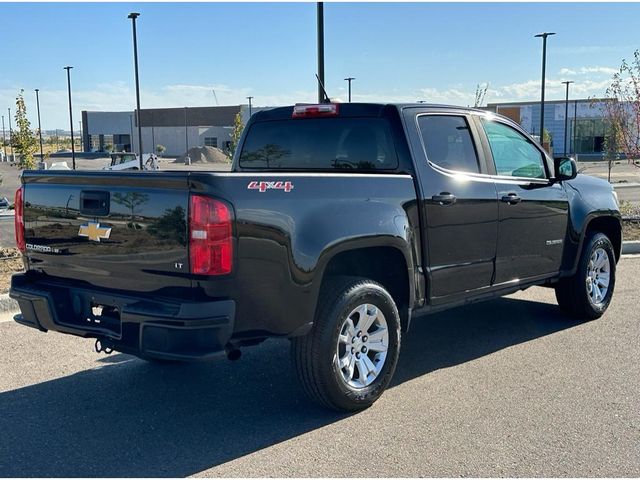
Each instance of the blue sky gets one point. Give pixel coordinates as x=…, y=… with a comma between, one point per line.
x=397, y=51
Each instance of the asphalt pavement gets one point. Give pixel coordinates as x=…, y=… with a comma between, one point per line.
x=506, y=388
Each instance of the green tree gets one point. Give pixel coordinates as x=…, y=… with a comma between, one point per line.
x=24, y=140
x=238, y=127
x=160, y=149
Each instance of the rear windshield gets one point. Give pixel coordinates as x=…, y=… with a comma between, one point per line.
x=320, y=144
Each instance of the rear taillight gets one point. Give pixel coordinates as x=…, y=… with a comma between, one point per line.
x=312, y=111
x=210, y=236
x=18, y=220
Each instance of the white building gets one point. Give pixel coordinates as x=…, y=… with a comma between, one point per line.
x=177, y=129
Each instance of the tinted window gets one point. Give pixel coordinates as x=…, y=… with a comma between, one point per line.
x=320, y=143
x=448, y=143
x=513, y=154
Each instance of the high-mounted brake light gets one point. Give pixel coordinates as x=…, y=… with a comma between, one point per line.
x=320, y=110
x=18, y=219
x=210, y=236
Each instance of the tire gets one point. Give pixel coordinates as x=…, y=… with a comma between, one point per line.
x=330, y=372
x=576, y=295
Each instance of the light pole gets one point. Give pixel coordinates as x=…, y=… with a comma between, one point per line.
x=575, y=129
x=249, y=98
x=320, y=14
x=10, y=137
x=544, y=36
x=73, y=148
x=131, y=134
x=133, y=17
x=39, y=125
x=4, y=141
x=186, y=138
x=349, y=79
x=566, y=116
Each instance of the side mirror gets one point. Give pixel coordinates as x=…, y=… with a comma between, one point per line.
x=565, y=168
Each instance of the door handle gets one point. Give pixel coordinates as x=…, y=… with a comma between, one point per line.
x=444, y=198
x=511, y=198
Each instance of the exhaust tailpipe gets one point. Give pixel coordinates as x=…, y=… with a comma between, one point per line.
x=234, y=354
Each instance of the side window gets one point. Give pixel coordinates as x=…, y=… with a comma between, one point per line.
x=447, y=141
x=513, y=154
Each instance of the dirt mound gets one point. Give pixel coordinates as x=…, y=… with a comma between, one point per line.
x=204, y=155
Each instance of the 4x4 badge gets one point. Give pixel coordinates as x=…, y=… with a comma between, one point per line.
x=264, y=186
x=93, y=231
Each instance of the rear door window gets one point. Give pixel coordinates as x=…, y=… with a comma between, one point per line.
x=447, y=142
x=320, y=144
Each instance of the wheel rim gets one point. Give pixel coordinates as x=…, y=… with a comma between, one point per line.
x=362, y=346
x=598, y=276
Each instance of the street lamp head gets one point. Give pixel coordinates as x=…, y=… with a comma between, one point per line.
x=67, y=68
x=545, y=34
x=133, y=15
x=350, y=78
x=568, y=82
x=37, y=89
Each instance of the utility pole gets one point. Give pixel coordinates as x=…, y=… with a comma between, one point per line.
x=133, y=17
x=349, y=79
x=575, y=129
x=39, y=125
x=249, y=98
x=544, y=36
x=131, y=134
x=11, y=137
x=4, y=141
x=153, y=133
x=186, y=138
x=320, y=15
x=566, y=116
x=73, y=148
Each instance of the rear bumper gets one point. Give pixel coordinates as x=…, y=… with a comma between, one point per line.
x=140, y=326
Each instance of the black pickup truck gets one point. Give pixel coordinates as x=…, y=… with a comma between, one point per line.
x=337, y=225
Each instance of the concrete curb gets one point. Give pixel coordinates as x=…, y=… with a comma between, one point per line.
x=625, y=185
x=631, y=247
x=7, y=304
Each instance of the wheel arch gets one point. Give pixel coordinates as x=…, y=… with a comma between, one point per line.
x=386, y=264
x=608, y=224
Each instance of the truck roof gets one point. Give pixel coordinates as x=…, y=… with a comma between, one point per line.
x=356, y=109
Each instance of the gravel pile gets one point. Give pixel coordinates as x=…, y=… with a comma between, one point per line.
x=204, y=155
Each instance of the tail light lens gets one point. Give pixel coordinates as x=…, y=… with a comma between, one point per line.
x=312, y=111
x=210, y=236
x=18, y=220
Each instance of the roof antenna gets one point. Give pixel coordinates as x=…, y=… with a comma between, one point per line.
x=324, y=92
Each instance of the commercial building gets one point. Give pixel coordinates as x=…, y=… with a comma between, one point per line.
x=177, y=129
x=586, y=125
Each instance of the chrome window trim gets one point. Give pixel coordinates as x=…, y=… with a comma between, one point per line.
x=435, y=165
x=481, y=177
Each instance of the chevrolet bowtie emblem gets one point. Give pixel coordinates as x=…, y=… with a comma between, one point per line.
x=93, y=231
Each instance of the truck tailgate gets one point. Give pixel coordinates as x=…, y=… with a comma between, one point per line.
x=125, y=231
